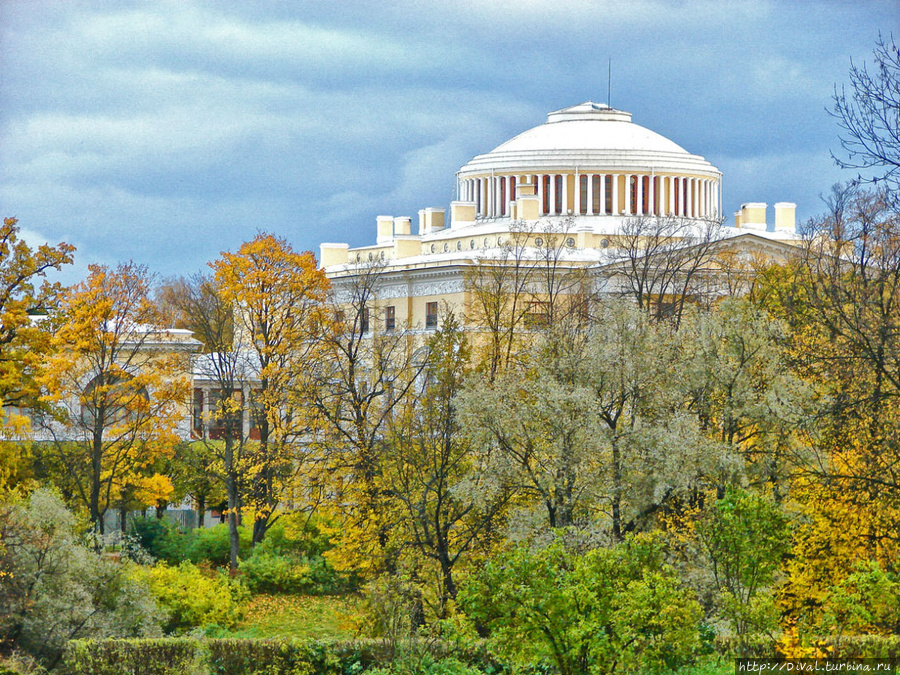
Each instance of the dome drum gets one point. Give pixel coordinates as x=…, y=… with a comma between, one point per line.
x=591, y=160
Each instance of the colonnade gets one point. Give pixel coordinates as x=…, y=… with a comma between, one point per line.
x=597, y=194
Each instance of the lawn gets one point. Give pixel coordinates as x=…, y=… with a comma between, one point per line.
x=298, y=616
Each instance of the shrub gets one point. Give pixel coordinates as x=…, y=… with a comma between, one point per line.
x=213, y=545
x=161, y=538
x=290, y=560
x=192, y=599
x=583, y=613
x=55, y=588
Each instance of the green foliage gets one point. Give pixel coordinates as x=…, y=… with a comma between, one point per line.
x=132, y=657
x=868, y=601
x=180, y=656
x=160, y=538
x=606, y=610
x=54, y=588
x=745, y=537
x=290, y=560
x=212, y=545
x=191, y=598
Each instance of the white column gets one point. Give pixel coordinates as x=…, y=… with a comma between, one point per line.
x=650, y=197
x=639, y=199
x=576, y=207
x=690, y=197
x=540, y=193
x=564, y=180
x=590, y=195
x=615, y=194
x=552, y=194
x=627, y=204
x=603, y=188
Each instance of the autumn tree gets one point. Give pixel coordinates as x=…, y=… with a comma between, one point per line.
x=24, y=293
x=198, y=303
x=355, y=388
x=432, y=471
x=117, y=383
x=526, y=287
x=278, y=295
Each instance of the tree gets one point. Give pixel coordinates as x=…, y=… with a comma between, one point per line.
x=22, y=340
x=745, y=538
x=117, y=384
x=199, y=304
x=595, y=426
x=607, y=611
x=869, y=117
x=355, y=388
x=53, y=588
x=665, y=262
x=278, y=295
x=432, y=471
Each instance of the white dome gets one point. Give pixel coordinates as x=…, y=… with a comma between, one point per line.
x=589, y=137
x=589, y=126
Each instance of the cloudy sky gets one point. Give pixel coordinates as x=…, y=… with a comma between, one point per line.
x=166, y=132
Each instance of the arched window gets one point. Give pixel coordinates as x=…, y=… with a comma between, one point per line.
x=502, y=196
x=595, y=184
x=645, y=200
x=512, y=188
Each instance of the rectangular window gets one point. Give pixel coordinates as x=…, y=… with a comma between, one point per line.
x=364, y=320
x=390, y=321
x=198, y=413
x=537, y=314
x=431, y=315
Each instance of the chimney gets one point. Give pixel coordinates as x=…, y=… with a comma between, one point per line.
x=333, y=254
x=402, y=226
x=753, y=216
x=385, y=229
x=786, y=217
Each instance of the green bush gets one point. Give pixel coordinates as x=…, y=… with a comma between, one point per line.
x=290, y=560
x=193, y=599
x=213, y=545
x=161, y=538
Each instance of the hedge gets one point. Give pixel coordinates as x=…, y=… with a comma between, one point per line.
x=838, y=647
x=186, y=656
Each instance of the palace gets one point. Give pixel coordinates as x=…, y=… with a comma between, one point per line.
x=588, y=179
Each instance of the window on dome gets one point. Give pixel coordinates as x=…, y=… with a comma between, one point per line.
x=583, y=190
x=595, y=181
x=512, y=188
x=632, y=181
x=558, y=182
x=502, y=196
x=609, y=193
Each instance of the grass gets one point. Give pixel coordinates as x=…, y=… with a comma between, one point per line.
x=298, y=616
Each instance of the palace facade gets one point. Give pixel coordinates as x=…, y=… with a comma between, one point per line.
x=589, y=177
